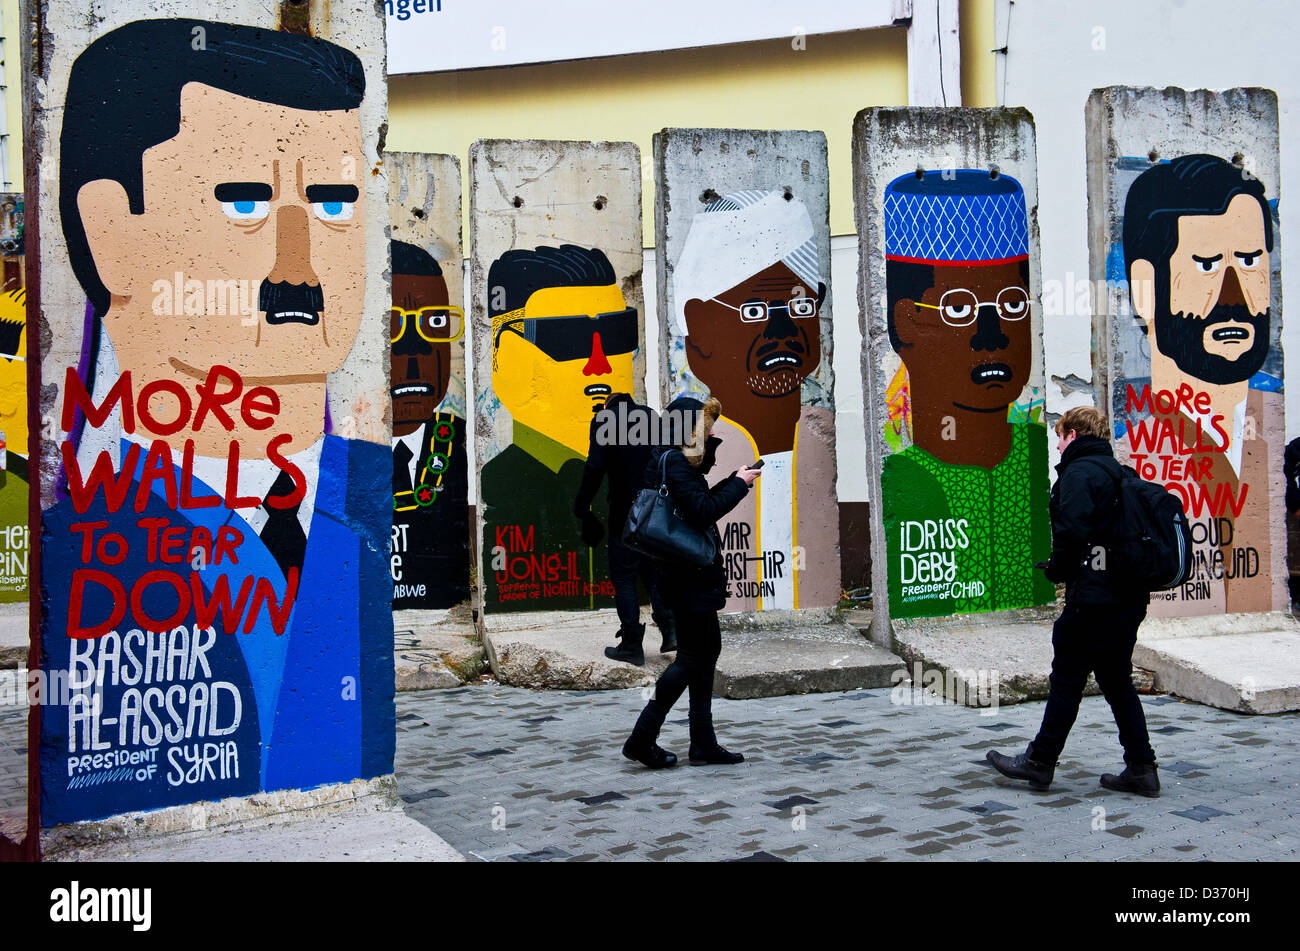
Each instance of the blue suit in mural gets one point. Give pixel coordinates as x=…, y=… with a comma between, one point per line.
x=206, y=634
x=305, y=707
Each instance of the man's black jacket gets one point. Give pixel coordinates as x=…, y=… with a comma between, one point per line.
x=625, y=465
x=1083, y=509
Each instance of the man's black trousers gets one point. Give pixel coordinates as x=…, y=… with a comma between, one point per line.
x=1098, y=639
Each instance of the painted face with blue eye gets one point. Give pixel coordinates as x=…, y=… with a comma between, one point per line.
x=246, y=210
x=333, y=210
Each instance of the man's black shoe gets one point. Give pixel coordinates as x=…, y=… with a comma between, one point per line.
x=713, y=756
x=1039, y=775
x=1137, y=778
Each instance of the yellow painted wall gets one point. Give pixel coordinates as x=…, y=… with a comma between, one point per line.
x=978, y=61
x=764, y=85
x=752, y=85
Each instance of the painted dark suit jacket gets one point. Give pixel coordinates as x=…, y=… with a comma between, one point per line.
x=317, y=701
x=521, y=492
x=437, y=550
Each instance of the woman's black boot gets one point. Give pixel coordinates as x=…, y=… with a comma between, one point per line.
x=704, y=744
x=668, y=631
x=641, y=745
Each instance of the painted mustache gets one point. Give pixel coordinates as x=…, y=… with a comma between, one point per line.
x=779, y=355
x=286, y=303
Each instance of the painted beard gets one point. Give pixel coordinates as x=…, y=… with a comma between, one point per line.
x=1182, y=340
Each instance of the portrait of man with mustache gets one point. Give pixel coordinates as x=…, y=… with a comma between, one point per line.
x=155, y=183
x=965, y=500
x=749, y=295
x=1197, y=234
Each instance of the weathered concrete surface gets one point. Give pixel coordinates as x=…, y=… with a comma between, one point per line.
x=346, y=374
x=373, y=829
x=763, y=655
x=710, y=255
x=525, y=195
x=1132, y=136
x=233, y=813
x=889, y=143
x=436, y=649
x=13, y=636
x=1009, y=649
x=791, y=652
x=430, y=557
x=565, y=650
x=1247, y=663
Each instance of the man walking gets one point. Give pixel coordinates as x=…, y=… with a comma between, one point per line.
x=1097, y=629
x=622, y=437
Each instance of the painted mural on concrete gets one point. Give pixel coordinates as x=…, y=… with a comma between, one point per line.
x=564, y=340
x=749, y=293
x=1198, y=407
x=429, y=561
x=14, y=534
x=965, y=490
x=215, y=594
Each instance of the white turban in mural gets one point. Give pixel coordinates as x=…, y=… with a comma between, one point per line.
x=738, y=236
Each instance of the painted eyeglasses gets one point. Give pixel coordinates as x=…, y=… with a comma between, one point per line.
x=753, y=311
x=439, y=324
x=959, y=307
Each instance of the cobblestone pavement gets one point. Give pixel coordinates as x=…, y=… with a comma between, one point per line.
x=505, y=773
x=13, y=770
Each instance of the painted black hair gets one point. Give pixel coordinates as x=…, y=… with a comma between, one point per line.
x=520, y=272
x=413, y=261
x=1187, y=185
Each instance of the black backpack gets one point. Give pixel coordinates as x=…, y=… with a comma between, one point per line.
x=1151, y=541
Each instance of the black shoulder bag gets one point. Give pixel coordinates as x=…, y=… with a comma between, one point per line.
x=655, y=528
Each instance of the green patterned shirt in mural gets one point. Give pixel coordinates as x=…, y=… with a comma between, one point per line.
x=962, y=539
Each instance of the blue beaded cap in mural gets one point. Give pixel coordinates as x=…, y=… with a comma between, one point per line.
x=956, y=216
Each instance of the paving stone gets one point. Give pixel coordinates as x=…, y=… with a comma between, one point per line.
x=920, y=761
x=1200, y=813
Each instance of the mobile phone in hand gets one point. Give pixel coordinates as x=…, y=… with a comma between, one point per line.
x=756, y=465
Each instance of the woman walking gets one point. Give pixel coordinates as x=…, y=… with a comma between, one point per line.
x=695, y=595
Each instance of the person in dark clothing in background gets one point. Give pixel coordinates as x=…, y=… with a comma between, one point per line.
x=694, y=594
x=1097, y=629
x=1291, y=469
x=621, y=446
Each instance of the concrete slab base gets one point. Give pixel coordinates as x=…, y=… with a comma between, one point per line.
x=763, y=655
x=436, y=649
x=986, y=659
x=564, y=650
x=365, y=828
x=1246, y=663
x=13, y=636
x=777, y=653
x=356, y=821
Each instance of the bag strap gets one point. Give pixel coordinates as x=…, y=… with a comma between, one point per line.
x=1118, y=475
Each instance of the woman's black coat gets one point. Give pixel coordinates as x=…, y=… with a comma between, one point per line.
x=686, y=587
